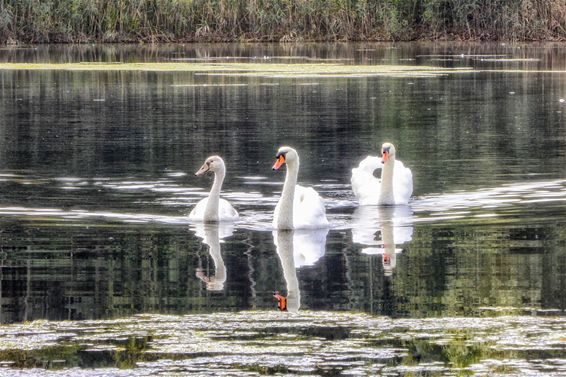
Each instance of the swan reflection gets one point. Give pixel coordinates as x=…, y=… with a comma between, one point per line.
x=295, y=249
x=211, y=235
x=381, y=230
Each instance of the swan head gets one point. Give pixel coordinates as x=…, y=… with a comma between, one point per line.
x=214, y=164
x=285, y=155
x=387, y=152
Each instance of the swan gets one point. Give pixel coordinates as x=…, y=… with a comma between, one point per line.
x=299, y=207
x=395, y=185
x=213, y=209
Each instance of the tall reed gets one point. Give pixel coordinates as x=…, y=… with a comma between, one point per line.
x=43, y=21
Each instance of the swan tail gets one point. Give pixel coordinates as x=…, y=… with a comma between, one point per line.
x=364, y=184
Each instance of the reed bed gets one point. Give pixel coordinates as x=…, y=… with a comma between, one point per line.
x=72, y=21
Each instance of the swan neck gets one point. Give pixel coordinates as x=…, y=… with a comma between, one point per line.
x=285, y=218
x=386, y=196
x=212, y=206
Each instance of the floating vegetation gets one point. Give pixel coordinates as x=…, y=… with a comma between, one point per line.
x=508, y=60
x=274, y=70
x=206, y=85
x=249, y=343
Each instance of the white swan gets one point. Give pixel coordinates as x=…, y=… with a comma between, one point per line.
x=395, y=185
x=213, y=209
x=299, y=207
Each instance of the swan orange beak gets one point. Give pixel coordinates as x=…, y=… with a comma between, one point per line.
x=384, y=157
x=203, y=169
x=279, y=162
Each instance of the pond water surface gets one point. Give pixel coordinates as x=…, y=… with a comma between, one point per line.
x=96, y=182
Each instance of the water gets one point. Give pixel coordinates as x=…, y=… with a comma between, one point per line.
x=96, y=176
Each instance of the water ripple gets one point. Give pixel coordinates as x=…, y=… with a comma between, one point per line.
x=258, y=196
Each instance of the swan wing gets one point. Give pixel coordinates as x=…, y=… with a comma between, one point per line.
x=308, y=209
x=364, y=184
x=402, y=183
x=197, y=213
x=226, y=212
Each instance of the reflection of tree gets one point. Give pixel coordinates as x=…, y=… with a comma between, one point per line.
x=190, y=121
x=461, y=270
x=124, y=269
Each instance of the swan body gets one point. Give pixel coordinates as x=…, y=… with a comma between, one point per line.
x=299, y=207
x=213, y=208
x=396, y=183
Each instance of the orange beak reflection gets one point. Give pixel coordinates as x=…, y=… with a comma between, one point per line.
x=384, y=157
x=280, y=161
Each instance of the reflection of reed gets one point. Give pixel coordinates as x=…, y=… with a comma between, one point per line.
x=1, y=285
x=121, y=270
x=251, y=271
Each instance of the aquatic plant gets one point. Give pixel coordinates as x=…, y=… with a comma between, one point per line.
x=272, y=343
x=273, y=70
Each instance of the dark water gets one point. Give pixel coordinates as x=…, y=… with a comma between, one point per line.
x=96, y=183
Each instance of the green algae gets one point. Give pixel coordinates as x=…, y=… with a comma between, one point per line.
x=50, y=357
x=271, y=70
x=270, y=343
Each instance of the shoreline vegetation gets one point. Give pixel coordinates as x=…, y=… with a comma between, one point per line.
x=157, y=21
